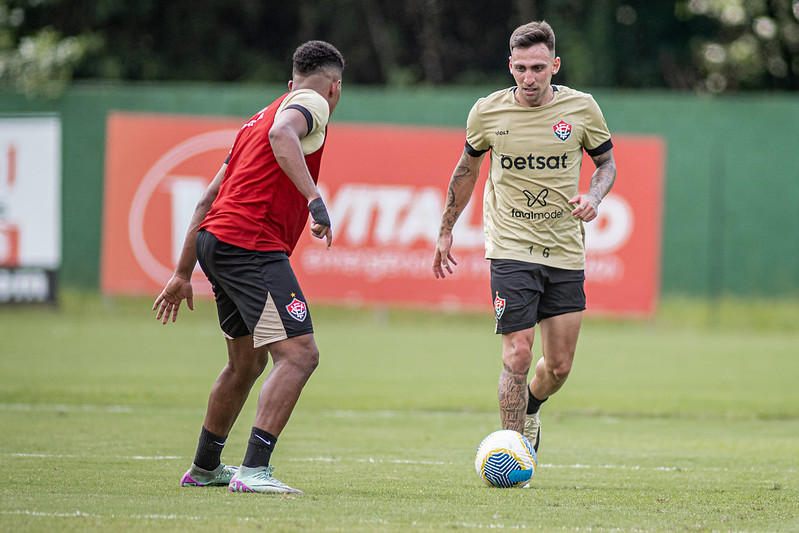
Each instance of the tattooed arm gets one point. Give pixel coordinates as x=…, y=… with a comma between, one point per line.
x=460, y=189
x=586, y=205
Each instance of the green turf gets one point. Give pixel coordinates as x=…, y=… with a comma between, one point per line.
x=686, y=422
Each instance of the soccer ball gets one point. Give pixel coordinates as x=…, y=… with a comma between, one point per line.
x=505, y=459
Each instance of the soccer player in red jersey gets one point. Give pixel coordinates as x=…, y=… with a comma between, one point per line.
x=243, y=231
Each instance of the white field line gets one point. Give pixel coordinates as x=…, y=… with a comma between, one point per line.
x=332, y=413
x=81, y=514
x=61, y=408
x=378, y=461
x=362, y=460
x=74, y=456
x=336, y=413
x=88, y=408
x=241, y=519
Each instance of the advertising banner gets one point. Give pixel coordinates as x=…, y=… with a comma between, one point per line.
x=384, y=186
x=30, y=207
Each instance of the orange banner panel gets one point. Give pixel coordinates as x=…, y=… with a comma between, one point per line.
x=156, y=169
x=384, y=187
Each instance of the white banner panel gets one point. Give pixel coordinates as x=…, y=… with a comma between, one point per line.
x=30, y=205
x=30, y=191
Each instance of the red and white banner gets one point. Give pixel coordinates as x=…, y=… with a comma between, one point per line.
x=384, y=187
x=30, y=207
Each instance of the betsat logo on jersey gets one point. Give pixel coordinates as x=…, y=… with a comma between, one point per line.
x=534, y=162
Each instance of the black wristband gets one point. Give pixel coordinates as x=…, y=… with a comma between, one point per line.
x=319, y=212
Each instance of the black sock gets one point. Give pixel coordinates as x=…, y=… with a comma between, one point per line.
x=533, y=403
x=259, y=448
x=209, y=450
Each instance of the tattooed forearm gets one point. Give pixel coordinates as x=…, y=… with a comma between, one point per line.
x=448, y=219
x=461, y=174
x=460, y=190
x=450, y=196
x=451, y=212
x=604, y=176
x=512, y=398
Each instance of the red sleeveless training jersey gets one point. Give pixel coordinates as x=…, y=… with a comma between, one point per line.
x=258, y=206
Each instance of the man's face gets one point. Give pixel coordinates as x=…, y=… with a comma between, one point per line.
x=532, y=68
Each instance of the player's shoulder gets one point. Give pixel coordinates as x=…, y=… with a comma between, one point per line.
x=495, y=100
x=304, y=96
x=567, y=94
x=310, y=100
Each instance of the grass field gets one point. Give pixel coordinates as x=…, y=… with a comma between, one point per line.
x=689, y=422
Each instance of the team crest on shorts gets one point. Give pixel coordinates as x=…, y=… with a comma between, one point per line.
x=297, y=309
x=562, y=130
x=499, y=306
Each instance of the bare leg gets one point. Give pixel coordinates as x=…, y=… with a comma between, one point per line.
x=516, y=359
x=295, y=360
x=232, y=387
x=559, y=342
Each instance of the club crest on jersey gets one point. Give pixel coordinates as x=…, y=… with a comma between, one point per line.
x=499, y=306
x=562, y=130
x=297, y=309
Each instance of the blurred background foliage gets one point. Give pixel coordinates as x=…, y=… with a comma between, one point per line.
x=713, y=46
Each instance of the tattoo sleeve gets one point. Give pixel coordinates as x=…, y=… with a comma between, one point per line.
x=512, y=398
x=461, y=185
x=604, y=176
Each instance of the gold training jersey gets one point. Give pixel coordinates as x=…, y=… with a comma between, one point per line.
x=536, y=153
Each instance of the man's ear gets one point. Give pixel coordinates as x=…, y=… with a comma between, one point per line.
x=291, y=82
x=556, y=65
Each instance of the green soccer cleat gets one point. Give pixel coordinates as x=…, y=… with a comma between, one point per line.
x=199, y=477
x=259, y=479
x=532, y=430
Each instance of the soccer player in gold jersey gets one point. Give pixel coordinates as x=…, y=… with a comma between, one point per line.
x=533, y=217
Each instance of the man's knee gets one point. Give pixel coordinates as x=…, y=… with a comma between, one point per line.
x=517, y=353
x=559, y=368
x=300, y=352
x=309, y=360
x=562, y=370
x=244, y=360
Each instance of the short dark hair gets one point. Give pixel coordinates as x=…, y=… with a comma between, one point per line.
x=531, y=34
x=316, y=55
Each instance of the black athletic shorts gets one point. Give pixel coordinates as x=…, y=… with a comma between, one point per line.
x=256, y=292
x=526, y=293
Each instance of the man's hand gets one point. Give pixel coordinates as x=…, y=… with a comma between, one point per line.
x=584, y=208
x=443, y=256
x=320, y=221
x=168, y=302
